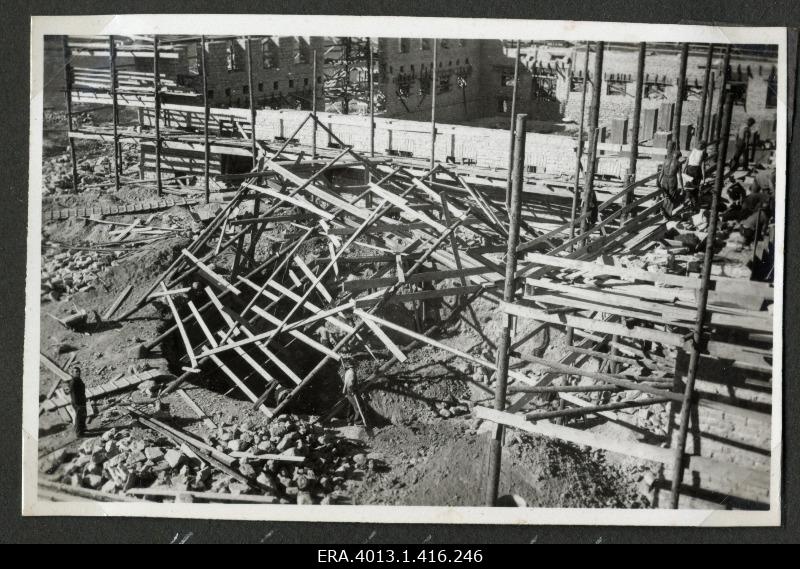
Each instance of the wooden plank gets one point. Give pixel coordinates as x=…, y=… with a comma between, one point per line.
x=436, y=344
x=422, y=295
x=608, y=296
x=179, y=323
x=752, y=322
x=231, y=323
x=381, y=335
x=118, y=302
x=628, y=448
x=638, y=332
x=311, y=277
x=197, y=410
x=54, y=368
x=366, y=284
x=208, y=496
x=217, y=279
x=299, y=202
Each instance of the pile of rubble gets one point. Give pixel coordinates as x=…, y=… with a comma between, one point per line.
x=71, y=272
x=94, y=170
x=292, y=460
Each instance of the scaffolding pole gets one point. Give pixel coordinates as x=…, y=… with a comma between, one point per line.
x=594, y=116
x=635, y=121
x=579, y=148
x=112, y=57
x=206, y=112
x=509, y=292
x=702, y=301
x=433, y=107
x=511, y=126
x=252, y=103
x=157, y=118
x=726, y=61
x=314, y=106
x=68, y=93
x=701, y=123
x=707, y=134
x=680, y=91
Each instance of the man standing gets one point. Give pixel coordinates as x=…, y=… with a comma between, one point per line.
x=350, y=390
x=742, y=141
x=696, y=170
x=77, y=395
x=668, y=180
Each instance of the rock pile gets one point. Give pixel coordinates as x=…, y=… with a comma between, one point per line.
x=70, y=272
x=452, y=408
x=329, y=460
x=124, y=458
x=95, y=169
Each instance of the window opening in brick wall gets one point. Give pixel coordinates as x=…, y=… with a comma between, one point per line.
x=270, y=54
x=233, y=56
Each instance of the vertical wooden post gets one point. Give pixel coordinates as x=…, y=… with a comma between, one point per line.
x=511, y=127
x=726, y=61
x=112, y=56
x=433, y=105
x=252, y=103
x=509, y=292
x=314, y=107
x=157, y=118
x=367, y=174
x=68, y=94
x=579, y=149
x=701, y=123
x=702, y=300
x=594, y=117
x=681, y=89
x=635, y=120
x=371, y=101
x=707, y=134
x=206, y=112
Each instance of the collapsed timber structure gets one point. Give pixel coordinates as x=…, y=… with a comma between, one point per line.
x=362, y=233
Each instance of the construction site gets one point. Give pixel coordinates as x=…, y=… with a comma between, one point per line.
x=404, y=271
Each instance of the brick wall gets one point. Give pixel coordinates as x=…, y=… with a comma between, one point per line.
x=404, y=60
x=667, y=64
x=287, y=81
x=732, y=425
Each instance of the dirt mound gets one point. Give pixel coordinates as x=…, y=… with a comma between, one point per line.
x=445, y=464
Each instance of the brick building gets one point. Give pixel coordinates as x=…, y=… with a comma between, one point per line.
x=282, y=70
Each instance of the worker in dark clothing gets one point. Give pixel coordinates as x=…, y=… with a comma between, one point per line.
x=77, y=395
x=740, y=154
x=668, y=180
x=195, y=293
x=350, y=391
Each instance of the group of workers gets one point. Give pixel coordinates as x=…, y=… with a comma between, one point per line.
x=681, y=180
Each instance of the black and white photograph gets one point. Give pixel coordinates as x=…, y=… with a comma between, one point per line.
x=405, y=270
